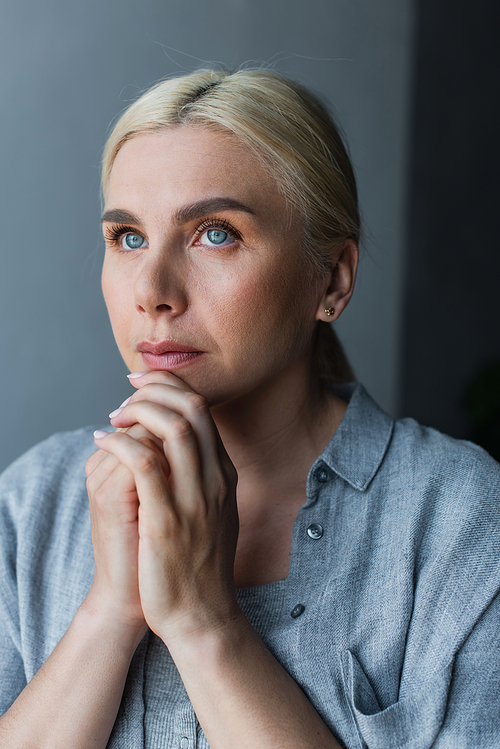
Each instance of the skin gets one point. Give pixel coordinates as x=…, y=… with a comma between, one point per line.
x=197, y=490
x=252, y=307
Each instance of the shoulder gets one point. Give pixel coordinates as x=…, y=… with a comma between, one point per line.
x=449, y=475
x=420, y=485
x=372, y=451
x=46, y=561
x=445, y=495
x=424, y=450
x=44, y=512
x=49, y=470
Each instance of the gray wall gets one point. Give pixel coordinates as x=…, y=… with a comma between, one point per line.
x=66, y=69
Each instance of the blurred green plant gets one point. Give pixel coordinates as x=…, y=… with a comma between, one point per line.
x=482, y=404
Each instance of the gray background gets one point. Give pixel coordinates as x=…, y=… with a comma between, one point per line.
x=68, y=68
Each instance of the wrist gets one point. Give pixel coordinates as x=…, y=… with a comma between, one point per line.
x=216, y=642
x=99, y=623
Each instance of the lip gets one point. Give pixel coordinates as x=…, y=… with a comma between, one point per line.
x=168, y=354
x=165, y=347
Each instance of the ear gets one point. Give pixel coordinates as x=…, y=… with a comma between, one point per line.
x=339, y=283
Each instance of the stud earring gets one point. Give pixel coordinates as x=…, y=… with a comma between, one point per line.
x=330, y=311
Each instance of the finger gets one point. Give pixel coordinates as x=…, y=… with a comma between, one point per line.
x=111, y=485
x=139, y=379
x=191, y=407
x=145, y=466
x=95, y=460
x=186, y=403
x=101, y=464
x=180, y=447
x=113, y=494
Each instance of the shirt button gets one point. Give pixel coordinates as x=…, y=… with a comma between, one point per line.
x=322, y=474
x=185, y=743
x=315, y=531
x=297, y=610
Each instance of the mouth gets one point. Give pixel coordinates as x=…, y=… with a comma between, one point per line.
x=168, y=354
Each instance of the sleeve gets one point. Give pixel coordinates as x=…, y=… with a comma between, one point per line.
x=46, y=559
x=12, y=673
x=12, y=677
x=411, y=723
x=458, y=707
x=472, y=717
x=449, y=683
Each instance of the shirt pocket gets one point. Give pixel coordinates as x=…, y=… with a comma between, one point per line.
x=411, y=723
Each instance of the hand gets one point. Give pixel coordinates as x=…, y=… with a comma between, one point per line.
x=185, y=499
x=114, y=505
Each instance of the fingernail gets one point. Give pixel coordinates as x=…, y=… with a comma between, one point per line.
x=115, y=413
x=125, y=402
x=133, y=375
x=99, y=434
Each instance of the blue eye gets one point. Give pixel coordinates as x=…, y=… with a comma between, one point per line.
x=216, y=238
x=133, y=241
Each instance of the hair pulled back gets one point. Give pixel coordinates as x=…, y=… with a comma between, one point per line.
x=291, y=132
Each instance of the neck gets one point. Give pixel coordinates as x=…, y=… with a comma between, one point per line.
x=274, y=434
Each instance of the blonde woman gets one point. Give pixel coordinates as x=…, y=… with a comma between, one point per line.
x=269, y=559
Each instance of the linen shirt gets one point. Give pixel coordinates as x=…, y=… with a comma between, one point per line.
x=389, y=618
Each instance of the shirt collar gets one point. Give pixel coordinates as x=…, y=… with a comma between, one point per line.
x=358, y=447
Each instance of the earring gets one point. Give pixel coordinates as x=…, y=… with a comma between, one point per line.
x=330, y=311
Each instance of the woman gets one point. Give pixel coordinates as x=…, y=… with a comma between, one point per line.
x=277, y=563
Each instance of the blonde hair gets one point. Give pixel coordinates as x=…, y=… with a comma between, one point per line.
x=290, y=130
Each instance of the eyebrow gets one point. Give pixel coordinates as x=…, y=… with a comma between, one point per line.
x=183, y=215
x=120, y=216
x=212, y=205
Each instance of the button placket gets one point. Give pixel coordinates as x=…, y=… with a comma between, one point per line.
x=323, y=475
x=186, y=725
x=308, y=554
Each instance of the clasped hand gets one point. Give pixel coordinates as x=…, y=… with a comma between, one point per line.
x=163, y=514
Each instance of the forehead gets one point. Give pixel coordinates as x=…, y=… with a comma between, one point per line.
x=178, y=165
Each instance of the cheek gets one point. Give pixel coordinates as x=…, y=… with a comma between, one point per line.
x=118, y=301
x=236, y=298
x=249, y=308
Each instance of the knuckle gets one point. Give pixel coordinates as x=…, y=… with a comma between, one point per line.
x=156, y=447
x=137, y=431
x=148, y=442
x=197, y=402
x=146, y=390
x=181, y=429
x=147, y=461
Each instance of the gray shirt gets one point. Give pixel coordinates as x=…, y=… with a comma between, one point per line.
x=389, y=618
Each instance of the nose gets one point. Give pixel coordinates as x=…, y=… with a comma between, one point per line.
x=159, y=288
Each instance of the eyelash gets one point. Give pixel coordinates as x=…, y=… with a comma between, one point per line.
x=218, y=223
x=115, y=232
